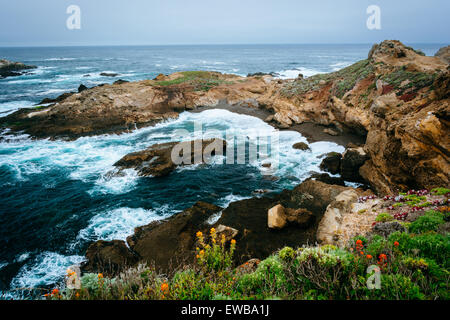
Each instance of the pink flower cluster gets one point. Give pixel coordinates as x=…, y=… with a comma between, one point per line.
x=401, y=216
x=364, y=199
x=422, y=192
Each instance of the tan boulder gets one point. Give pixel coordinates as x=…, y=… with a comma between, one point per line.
x=228, y=232
x=276, y=217
x=330, y=225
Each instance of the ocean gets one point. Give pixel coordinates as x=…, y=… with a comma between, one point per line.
x=56, y=197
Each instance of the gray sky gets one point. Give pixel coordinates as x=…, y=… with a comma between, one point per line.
x=135, y=22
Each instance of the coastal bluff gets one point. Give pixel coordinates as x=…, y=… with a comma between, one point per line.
x=396, y=100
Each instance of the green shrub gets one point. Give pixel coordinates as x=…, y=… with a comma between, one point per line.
x=440, y=191
x=428, y=222
x=188, y=285
x=287, y=254
x=376, y=246
x=429, y=245
x=384, y=217
x=398, y=287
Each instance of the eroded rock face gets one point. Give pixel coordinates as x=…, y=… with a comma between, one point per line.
x=327, y=232
x=398, y=97
x=352, y=160
x=161, y=159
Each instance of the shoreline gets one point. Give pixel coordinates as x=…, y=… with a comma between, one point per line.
x=311, y=131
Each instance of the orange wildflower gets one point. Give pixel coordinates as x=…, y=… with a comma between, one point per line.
x=164, y=287
x=369, y=256
x=396, y=243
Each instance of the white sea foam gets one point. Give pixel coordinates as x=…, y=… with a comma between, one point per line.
x=119, y=223
x=293, y=73
x=225, y=202
x=340, y=65
x=10, y=107
x=3, y=264
x=45, y=269
x=60, y=59
x=23, y=257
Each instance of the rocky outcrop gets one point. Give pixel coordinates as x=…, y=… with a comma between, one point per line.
x=161, y=159
x=332, y=163
x=13, y=69
x=328, y=230
x=352, y=160
x=326, y=178
x=444, y=54
x=312, y=195
x=111, y=257
x=278, y=217
x=301, y=146
x=125, y=106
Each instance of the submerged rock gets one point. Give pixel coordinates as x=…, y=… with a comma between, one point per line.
x=301, y=146
x=109, y=74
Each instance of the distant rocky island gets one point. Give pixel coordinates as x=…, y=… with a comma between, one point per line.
x=13, y=69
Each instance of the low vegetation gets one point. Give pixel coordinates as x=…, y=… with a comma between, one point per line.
x=200, y=80
x=345, y=80
x=410, y=264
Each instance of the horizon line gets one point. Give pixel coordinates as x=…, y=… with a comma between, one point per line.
x=206, y=44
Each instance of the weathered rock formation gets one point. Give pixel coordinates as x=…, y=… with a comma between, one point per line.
x=161, y=159
x=13, y=69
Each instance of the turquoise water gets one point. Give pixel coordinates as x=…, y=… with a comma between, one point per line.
x=57, y=197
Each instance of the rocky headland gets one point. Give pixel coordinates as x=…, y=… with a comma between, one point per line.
x=395, y=103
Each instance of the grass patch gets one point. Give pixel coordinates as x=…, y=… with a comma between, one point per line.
x=416, y=80
x=346, y=80
x=200, y=80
